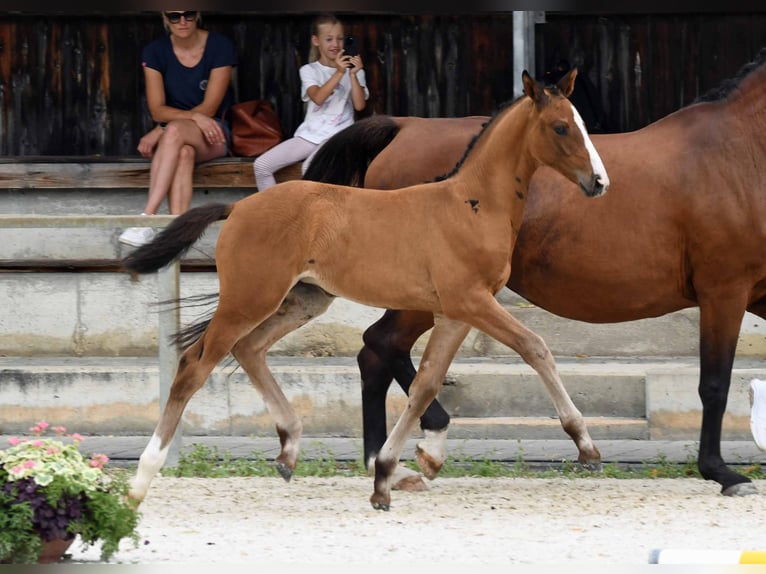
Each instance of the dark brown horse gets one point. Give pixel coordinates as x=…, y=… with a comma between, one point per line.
x=441, y=247
x=684, y=226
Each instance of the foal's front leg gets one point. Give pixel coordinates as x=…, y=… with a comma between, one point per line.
x=489, y=316
x=444, y=342
x=386, y=354
x=303, y=303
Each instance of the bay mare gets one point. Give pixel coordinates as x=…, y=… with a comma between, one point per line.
x=684, y=225
x=442, y=247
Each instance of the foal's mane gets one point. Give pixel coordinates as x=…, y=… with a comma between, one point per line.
x=497, y=112
x=728, y=86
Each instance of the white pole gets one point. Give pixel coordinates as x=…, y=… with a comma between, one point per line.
x=523, y=48
x=168, y=280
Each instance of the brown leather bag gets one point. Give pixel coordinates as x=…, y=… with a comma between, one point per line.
x=255, y=128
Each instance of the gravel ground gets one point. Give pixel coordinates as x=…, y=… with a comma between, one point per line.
x=459, y=520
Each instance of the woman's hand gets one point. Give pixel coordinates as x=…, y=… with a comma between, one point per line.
x=149, y=141
x=211, y=130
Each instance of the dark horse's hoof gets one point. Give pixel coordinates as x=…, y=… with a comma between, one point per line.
x=740, y=489
x=285, y=471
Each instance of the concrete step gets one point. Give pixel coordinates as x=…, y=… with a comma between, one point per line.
x=621, y=398
x=546, y=428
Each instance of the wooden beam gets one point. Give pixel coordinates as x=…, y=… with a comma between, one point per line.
x=50, y=172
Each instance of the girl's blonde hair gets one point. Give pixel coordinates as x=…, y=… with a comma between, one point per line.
x=320, y=20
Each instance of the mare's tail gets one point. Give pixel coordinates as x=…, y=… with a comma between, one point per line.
x=344, y=158
x=176, y=238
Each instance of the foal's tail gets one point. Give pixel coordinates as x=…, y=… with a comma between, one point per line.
x=343, y=159
x=176, y=238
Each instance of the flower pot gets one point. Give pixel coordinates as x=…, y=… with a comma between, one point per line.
x=54, y=550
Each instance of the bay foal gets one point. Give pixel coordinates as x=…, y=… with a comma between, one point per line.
x=442, y=247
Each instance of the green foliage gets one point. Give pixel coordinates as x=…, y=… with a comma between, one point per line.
x=108, y=517
x=202, y=461
x=19, y=543
x=49, y=490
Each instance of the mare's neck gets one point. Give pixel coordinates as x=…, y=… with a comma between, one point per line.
x=749, y=105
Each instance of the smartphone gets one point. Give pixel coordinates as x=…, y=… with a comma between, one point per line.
x=350, y=46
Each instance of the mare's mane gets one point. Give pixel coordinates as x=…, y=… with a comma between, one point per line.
x=497, y=112
x=728, y=86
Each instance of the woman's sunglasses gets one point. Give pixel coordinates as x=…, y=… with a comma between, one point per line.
x=175, y=17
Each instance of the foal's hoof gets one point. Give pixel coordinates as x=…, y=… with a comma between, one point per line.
x=380, y=502
x=590, y=458
x=133, y=501
x=592, y=466
x=411, y=484
x=285, y=471
x=407, y=480
x=428, y=464
x=741, y=489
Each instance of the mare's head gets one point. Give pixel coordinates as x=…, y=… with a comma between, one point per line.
x=561, y=140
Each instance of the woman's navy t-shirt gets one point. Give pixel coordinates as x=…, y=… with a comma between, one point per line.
x=185, y=87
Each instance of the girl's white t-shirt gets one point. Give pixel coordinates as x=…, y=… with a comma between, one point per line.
x=337, y=111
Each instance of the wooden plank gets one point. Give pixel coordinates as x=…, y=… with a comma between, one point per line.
x=116, y=173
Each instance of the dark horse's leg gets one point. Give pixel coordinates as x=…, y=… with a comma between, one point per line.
x=720, y=323
x=385, y=356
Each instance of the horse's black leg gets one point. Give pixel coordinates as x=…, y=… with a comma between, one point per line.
x=376, y=379
x=719, y=329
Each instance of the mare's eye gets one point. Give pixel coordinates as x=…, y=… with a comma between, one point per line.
x=561, y=130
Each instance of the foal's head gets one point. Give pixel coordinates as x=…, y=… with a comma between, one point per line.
x=562, y=141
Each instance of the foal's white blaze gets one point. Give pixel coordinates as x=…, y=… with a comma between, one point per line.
x=149, y=464
x=595, y=159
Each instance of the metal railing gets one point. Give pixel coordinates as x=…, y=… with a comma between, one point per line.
x=168, y=289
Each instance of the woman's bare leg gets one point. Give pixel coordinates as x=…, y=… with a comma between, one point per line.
x=168, y=157
x=180, y=195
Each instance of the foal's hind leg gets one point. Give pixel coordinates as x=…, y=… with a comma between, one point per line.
x=194, y=367
x=441, y=348
x=303, y=303
x=487, y=315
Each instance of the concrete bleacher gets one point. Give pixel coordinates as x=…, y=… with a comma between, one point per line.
x=79, y=339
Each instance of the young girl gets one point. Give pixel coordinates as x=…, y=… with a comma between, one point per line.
x=188, y=87
x=334, y=85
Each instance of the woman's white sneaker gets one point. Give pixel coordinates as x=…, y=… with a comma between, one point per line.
x=137, y=236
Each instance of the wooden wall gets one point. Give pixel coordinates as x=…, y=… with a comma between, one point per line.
x=72, y=85
x=646, y=66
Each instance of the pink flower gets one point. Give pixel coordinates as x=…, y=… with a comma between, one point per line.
x=99, y=460
x=59, y=430
x=53, y=450
x=14, y=440
x=39, y=428
x=77, y=437
x=17, y=470
x=29, y=463
x=38, y=443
